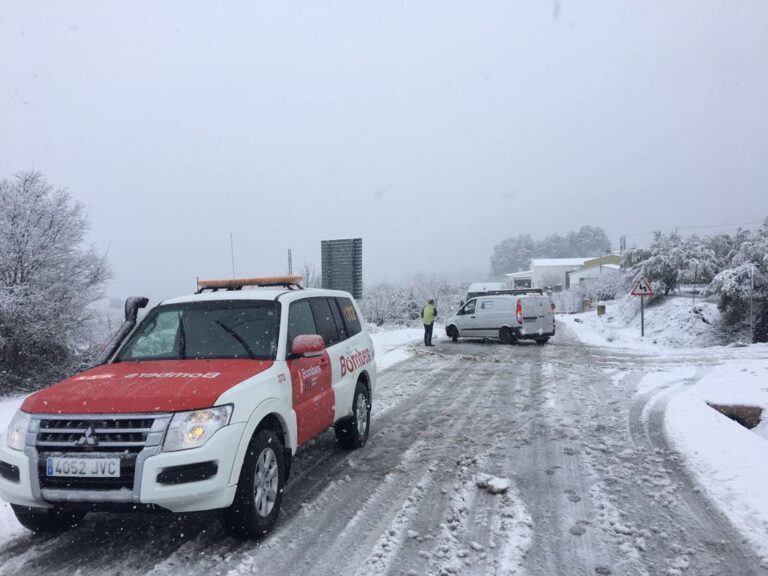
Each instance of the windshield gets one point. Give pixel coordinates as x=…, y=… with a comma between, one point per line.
x=220, y=329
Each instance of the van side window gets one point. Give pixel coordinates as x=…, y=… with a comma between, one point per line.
x=326, y=325
x=300, y=321
x=350, y=316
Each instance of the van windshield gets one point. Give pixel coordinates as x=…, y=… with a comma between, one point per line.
x=200, y=330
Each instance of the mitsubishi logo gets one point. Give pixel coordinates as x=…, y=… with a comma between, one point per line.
x=88, y=438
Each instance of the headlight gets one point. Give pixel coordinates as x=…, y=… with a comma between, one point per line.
x=17, y=431
x=193, y=429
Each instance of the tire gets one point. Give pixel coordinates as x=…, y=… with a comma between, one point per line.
x=51, y=520
x=353, y=432
x=453, y=333
x=506, y=336
x=542, y=340
x=256, y=506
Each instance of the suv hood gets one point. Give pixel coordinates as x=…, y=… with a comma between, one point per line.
x=140, y=387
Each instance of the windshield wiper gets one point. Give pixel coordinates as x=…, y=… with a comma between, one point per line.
x=182, y=340
x=237, y=337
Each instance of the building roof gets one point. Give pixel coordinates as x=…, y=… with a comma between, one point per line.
x=486, y=286
x=523, y=274
x=541, y=262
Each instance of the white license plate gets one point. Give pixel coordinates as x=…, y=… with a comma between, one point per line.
x=83, y=467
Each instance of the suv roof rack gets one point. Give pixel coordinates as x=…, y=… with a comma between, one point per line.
x=290, y=282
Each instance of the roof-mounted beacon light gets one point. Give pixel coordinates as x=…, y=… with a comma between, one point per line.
x=291, y=282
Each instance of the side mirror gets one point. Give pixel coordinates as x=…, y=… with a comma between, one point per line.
x=307, y=346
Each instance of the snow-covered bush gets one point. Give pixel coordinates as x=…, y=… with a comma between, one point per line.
x=47, y=281
x=390, y=304
x=671, y=261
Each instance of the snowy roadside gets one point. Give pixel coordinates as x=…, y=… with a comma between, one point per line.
x=674, y=324
x=728, y=460
x=392, y=345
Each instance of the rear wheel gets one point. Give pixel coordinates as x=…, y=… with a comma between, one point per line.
x=259, y=494
x=353, y=432
x=47, y=519
x=542, y=340
x=506, y=336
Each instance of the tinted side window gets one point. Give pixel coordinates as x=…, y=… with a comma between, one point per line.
x=342, y=328
x=300, y=321
x=350, y=316
x=326, y=325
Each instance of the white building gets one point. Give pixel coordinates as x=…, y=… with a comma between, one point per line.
x=549, y=273
x=588, y=275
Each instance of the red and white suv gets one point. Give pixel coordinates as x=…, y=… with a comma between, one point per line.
x=200, y=407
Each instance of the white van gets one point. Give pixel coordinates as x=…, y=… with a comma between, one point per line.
x=507, y=318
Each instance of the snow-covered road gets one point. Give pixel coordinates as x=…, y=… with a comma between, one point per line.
x=595, y=487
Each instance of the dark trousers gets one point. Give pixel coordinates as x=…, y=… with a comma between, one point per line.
x=428, y=334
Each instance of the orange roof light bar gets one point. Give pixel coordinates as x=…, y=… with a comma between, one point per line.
x=238, y=283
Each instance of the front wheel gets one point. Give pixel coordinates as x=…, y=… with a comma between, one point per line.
x=353, y=432
x=47, y=519
x=259, y=494
x=453, y=333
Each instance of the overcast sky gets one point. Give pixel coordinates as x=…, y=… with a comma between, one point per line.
x=431, y=129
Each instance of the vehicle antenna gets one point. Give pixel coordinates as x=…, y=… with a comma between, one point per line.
x=232, y=253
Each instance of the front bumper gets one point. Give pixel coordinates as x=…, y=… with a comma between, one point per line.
x=210, y=493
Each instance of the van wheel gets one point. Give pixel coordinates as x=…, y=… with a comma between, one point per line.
x=353, y=432
x=453, y=333
x=47, y=519
x=506, y=336
x=542, y=340
x=259, y=494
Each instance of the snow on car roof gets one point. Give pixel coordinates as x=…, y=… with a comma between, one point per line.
x=251, y=294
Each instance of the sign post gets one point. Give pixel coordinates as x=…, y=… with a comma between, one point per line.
x=642, y=288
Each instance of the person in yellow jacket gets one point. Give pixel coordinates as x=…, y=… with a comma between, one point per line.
x=428, y=315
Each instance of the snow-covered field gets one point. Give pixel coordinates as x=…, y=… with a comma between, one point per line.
x=727, y=459
x=676, y=323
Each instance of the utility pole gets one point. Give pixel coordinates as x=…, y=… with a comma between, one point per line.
x=290, y=263
x=751, y=300
x=695, y=278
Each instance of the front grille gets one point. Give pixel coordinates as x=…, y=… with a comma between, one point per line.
x=104, y=433
x=101, y=436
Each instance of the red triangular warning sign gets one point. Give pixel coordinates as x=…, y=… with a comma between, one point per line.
x=642, y=287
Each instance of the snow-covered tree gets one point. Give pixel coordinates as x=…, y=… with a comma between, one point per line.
x=661, y=263
x=47, y=281
x=515, y=254
x=587, y=241
x=512, y=255
x=745, y=280
x=386, y=303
